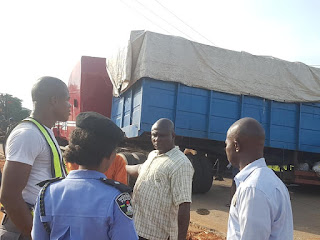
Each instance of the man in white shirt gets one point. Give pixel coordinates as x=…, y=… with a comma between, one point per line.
x=260, y=208
x=28, y=157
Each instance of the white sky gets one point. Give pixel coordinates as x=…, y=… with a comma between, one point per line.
x=39, y=38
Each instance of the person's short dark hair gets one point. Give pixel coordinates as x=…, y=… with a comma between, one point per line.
x=94, y=138
x=47, y=87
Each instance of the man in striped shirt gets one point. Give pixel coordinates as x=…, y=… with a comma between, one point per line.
x=162, y=193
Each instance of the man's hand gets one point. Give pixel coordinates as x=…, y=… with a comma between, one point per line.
x=183, y=220
x=133, y=170
x=14, y=179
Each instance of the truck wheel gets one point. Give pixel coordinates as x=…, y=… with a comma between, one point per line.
x=203, y=175
x=131, y=160
x=141, y=158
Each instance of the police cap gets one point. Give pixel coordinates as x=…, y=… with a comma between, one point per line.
x=100, y=125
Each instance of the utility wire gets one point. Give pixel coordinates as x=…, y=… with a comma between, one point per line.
x=145, y=16
x=164, y=19
x=184, y=22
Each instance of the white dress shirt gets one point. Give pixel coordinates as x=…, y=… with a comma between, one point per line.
x=261, y=207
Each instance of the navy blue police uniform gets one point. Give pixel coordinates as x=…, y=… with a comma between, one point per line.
x=84, y=205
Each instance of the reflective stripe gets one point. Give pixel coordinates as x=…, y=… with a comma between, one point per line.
x=57, y=170
x=278, y=168
x=42, y=208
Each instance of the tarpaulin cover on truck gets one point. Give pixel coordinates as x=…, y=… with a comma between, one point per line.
x=176, y=59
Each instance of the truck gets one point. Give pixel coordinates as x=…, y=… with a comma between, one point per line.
x=203, y=90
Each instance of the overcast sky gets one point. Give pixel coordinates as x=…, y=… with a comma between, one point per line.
x=48, y=37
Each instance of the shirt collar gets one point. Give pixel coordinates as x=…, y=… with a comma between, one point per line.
x=170, y=152
x=247, y=170
x=87, y=174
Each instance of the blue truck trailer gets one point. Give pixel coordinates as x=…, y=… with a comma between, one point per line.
x=207, y=114
x=202, y=114
x=202, y=118
x=203, y=90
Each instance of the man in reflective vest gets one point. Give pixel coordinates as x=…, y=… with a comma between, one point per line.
x=32, y=155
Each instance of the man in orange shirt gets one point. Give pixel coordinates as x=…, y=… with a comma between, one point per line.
x=117, y=170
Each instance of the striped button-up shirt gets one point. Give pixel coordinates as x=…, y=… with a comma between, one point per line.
x=164, y=182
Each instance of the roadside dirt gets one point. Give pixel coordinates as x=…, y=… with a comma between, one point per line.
x=196, y=232
x=209, y=210
x=1, y=157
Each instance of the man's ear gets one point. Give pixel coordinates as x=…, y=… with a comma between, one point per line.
x=173, y=135
x=236, y=145
x=53, y=100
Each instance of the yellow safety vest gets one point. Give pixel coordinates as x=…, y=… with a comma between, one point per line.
x=58, y=168
x=277, y=168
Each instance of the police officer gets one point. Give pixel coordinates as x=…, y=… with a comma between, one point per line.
x=86, y=205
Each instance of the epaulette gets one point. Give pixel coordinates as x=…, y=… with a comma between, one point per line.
x=120, y=186
x=44, y=184
x=51, y=180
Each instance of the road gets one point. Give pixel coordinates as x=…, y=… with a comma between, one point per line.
x=305, y=204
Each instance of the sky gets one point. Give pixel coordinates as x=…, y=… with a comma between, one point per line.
x=47, y=38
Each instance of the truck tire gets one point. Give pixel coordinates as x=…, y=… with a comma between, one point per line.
x=141, y=158
x=130, y=160
x=203, y=174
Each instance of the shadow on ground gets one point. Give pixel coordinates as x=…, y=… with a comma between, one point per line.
x=215, y=199
x=305, y=201
x=210, y=209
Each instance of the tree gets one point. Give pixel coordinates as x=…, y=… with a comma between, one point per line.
x=11, y=107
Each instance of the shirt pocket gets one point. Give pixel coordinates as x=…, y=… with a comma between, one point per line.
x=160, y=180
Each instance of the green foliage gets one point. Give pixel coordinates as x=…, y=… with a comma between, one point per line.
x=11, y=107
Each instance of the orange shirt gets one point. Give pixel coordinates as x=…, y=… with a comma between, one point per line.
x=117, y=170
x=72, y=166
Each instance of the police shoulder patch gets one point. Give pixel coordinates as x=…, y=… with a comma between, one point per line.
x=124, y=203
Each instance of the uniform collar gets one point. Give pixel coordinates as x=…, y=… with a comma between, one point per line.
x=247, y=170
x=170, y=152
x=88, y=174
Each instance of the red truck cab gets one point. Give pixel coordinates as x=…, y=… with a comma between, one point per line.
x=90, y=89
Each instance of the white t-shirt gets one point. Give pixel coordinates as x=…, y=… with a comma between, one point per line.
x=26, y=144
